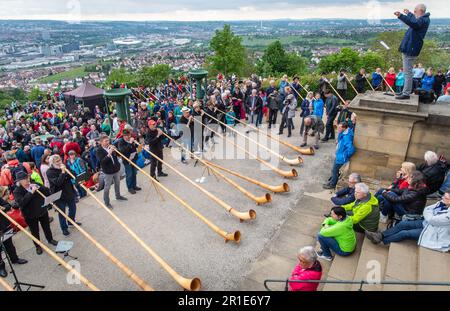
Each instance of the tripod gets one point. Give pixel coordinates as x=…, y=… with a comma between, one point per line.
x=17, y=284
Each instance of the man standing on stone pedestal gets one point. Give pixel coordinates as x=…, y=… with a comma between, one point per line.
x=412, y=42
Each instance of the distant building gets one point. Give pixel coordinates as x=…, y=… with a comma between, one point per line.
x=70, y=47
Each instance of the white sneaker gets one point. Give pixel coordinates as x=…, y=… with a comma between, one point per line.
x=383, y=219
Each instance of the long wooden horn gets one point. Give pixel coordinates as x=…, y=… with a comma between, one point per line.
x=52, y=254
x=287, y=174
x=188, y=284
x=233, y=236
x=295, y=90
x=277, y=189
x=259, y=200
x=133, y=276
x=370, y=84
x=354, y=89
x=304, y=151
x=251, y=214
x=6, y=285
x=296, y=161
x=336, y=92
x=390, y=87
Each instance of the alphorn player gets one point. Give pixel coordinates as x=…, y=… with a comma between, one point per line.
x=412, y=42
x=153, y=139
x=127, y=147
x=31, y=203
x=315, y=124
x=8, y=243
x=110, y=166
x=61, y=181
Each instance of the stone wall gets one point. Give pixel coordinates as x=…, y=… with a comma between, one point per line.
x=389, y=132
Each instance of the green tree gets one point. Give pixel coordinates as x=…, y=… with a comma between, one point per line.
x=296, y=65
x=276, y=62
x=370, y=61
x=152, y=76
x=229, y=53
x=347, y=59
x=120, y=76
x=35, y=93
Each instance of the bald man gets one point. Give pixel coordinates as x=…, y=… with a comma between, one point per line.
x=412, y=42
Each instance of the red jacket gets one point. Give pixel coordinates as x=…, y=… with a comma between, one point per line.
x=313, y=273
x=390, y=78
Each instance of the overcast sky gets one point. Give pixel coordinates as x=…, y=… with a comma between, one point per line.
x=200, y=10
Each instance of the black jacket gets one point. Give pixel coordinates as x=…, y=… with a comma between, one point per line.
x=61, y=182
x=4, y=223
x=154, y=142
x=31, y=203
x=258, y=104
x=109, y=165
x=413, y=201
x=127, y=149
x=434, y=174
x=331, y=104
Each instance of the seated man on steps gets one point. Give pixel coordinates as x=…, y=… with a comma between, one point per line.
x=364, y=211
x=336, y=235
x=432, y=231
x=347, y=194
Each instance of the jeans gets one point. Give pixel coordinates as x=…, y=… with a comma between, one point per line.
x=257, y=118
x=446, y=184
x=81, y=192
x=329, y=133
x=335, y=174
x=109, y=179
x=389, y=207
x=72, y=212
x=130, y=176
x=330, y=244
x=404, y=230
x=285, y=121
x=399, y=88
x=408, y=63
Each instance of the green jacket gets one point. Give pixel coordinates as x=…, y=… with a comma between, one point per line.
x=366, y=214
x=341, y=231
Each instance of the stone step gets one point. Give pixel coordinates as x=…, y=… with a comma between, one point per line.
x=371, y=265
x=343, y=268
x=402, y=265
x=433, y=267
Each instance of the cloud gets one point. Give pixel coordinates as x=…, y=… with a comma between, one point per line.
x=207, y=10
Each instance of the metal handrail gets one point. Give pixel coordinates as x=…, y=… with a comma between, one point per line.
x=361, y=283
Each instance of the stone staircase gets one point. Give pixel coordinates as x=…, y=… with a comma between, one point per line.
x=403, y=261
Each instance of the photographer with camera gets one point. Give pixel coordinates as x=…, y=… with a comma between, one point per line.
x=275, y=104
x=288, y=112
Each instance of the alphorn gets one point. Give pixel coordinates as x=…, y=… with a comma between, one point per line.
x=188, y=284
x=295, y=90
x=251, y=214
x=277, y=189
x=259, y=200
x=354, y=89
x=287, y=174
x=296, y=161
x=52, y=254
x=370, y=84
x=133, y=276
x=6, y=285
x=304, y=151
x=234, y=236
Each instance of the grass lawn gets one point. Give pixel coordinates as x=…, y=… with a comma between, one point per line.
x=295, y=41
x=77, y=72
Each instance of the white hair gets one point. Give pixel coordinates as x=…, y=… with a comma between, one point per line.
x=362, y=187
x=422, y=7
x=355, y=176
x=308, y=252
x=52, y=160
x=431, y=157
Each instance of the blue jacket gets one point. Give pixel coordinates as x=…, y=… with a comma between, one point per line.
x=345, y=148
x=400, y=80
x=305, y=108
x=344, y=196
x=427, y=83
x=376, y=79
x=36, y=153
x=413, y=40
x=318, y=107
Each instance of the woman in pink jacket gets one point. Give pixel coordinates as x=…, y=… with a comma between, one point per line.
x=308, y=268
